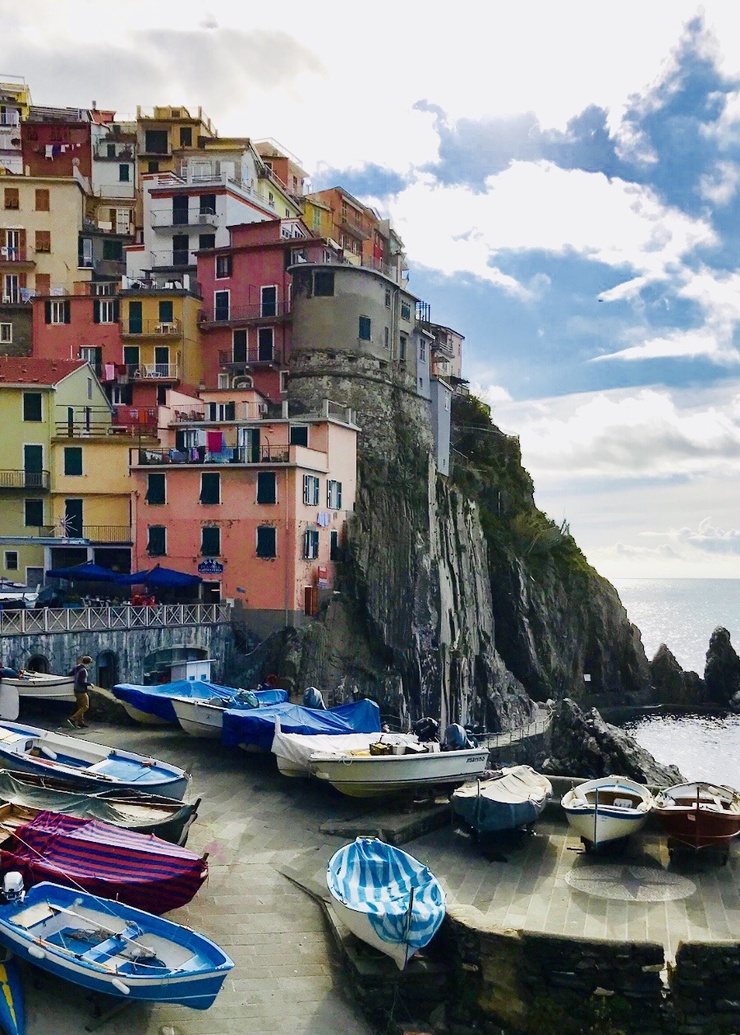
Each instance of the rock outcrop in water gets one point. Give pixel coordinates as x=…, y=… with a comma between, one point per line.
x=582, y=744
x=722, y=671
x=672, y=685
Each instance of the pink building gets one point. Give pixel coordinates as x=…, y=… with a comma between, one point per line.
x=250, y=498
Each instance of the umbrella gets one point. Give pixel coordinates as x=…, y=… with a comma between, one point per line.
x=87, y=572
x=160, y=578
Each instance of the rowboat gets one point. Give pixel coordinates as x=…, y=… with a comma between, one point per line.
x=364, y=775
x=112, y=948
x=385, y=897
x=143, y=813
x=85, y=765
x=42, y=686
x=506, y=800
x=155, y=704
x=138, y=869
x=293, y=750
x=699, y=815
x=607, y=809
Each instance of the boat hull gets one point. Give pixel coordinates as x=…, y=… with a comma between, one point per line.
x=43, y=686
x=699, y=815
x=368, y=776
x=12, y=1000
x=512, y=800
x=198, y=718
x=186, y=968
x=608, y=809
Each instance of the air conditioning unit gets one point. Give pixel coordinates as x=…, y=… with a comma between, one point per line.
x=205, y=218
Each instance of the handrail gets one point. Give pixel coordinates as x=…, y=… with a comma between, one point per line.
x=115, y=616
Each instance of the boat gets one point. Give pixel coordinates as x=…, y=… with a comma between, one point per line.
x=155, y=704
x=142, y=813
x=110, y=947
x=139, y=869
x=293, y=751
x=254, y=729
x=205, y=718
x=385, y=897
x=509, y=799
x=362, y=774
x=12, y=999
x=41, y=686
x=699, y=815
x=85, y=765
x=607, y=809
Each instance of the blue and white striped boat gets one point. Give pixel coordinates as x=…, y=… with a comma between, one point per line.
x=386, y=897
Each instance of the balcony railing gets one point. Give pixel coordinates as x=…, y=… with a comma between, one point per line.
x=152, y=371
x=9, y=253
x=160, y=328
x=114, y=616
x=169, y=220
x=246, y=313
x=24, y=480
x=265, y=454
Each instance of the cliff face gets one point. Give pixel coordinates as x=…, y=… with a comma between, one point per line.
x=458, y=599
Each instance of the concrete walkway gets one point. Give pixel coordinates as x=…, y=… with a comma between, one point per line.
x=258, y=826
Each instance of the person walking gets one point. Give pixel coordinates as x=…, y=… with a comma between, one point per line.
x=81, y=684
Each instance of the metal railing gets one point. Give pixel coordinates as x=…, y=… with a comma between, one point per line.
x=24, y=479
x=254, y=311
x=532, y=729
x=165, y=328
x=147, y=371
x=266, y=454
x=114, y=616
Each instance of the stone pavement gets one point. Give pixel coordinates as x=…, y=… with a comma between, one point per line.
x=259, y=826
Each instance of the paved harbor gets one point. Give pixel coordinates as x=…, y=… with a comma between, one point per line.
x=261, y=829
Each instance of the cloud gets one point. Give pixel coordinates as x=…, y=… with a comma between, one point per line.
x=707, y=538
x=721, y=184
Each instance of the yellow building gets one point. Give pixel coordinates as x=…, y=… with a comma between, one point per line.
x=161, y=343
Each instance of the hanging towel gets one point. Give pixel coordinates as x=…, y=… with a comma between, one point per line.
x=214, y=441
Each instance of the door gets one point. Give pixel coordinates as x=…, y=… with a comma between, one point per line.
x=135, y=322
x=180, y=210
x=249, y=445
x=73, y=518
x=268, y=305
x=162, y=361
x=33, y=467
x=11, y=289
x=13, y=245
x=180, y=249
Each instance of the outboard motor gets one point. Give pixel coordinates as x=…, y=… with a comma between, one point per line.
x=13, y=890
x=312, y=698
x=426, y=729
x=456, y=738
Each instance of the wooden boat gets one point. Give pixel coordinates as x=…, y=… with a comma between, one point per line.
x=143, y=813
x=155, y=704
x=112, y=948
x=699, y=815
x=138, y=869
x=85, y=765
x=293, y=750
x=41, y=686
x=366, y=775
x=385, y=897
x=506, y=800
x=607, y=809
x=12, y=1000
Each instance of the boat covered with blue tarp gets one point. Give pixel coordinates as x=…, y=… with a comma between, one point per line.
x=151, y=703
x=256, y=728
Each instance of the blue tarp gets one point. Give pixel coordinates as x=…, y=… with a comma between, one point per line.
x=257, y=727
x=157, y=700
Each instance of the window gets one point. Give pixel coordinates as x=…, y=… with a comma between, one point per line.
x=121, y=217
x=266, y=487
x=56, y=311
x=299, y=435
x=152, y=167
x=6, y=333
x=210, y=488
x=365, y=329
x=206, y=240
x=156, y=545
x=284, y=378
x=156, y=489
x=180, y=249
x=11, y=289
x=334, y=495
x=423, y=351
x=266, y=541
x=85, y=253
x=124, y=172
x=240, y=346
x=405, y=311
x=221, y=305
x=32, y=406
x=323, y=283
x=11, y=560
x=166, y=311
x=265, y=340
x=105, y=310
x=12, y=198
x=33, y=513
x=43, y=241
x=387, y=337
x=223, y=266
x=311, y=544
x=207, y=205
x=135, y=323
x=210, y=541
x=42, y=200
x=268, y=301
x=403, y=341
x=156, y=142
x=73, y=460
x=43, y=283
x=335, y=551
x=310, y=490
x=186, y=136
x=388, y=298
x=113, y=251
x=92, y=354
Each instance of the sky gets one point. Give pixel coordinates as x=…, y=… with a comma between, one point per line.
x=566, y=181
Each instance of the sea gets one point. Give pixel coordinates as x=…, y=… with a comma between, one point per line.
x=683, y=614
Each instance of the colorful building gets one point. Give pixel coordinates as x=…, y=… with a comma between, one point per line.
x=15, y=103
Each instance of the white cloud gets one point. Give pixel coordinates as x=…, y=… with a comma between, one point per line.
x=721, y=186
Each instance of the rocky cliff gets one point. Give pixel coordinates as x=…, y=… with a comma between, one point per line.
x=458, y=598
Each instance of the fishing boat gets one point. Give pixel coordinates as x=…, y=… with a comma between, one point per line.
x=138, y=869
x=699, y=816
x=205, y=717
x=41, y=686
x=12, y=999
x=142, y=813
x=293, y=750
x=254, y=729
x=607, y=809
x=110, y=947
x=509, y=799
x=85, y=765
x=385, y=897
x=156, y=704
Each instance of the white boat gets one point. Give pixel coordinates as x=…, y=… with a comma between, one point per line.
x=293, y=750
x=43, y=686
x=199, y=718
x=385, y=897
x=364, y=775
x=607, y=809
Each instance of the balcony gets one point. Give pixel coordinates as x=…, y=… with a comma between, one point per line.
x=36, y=480
x=18, y=258
x=153, y=328
x=135, y=421
x=152, y=371
x=98, y=534
x=255, y=357
x=168, y=220
x=265, y=454
x=115, y=150
x=254, y=312
x=163, y=282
